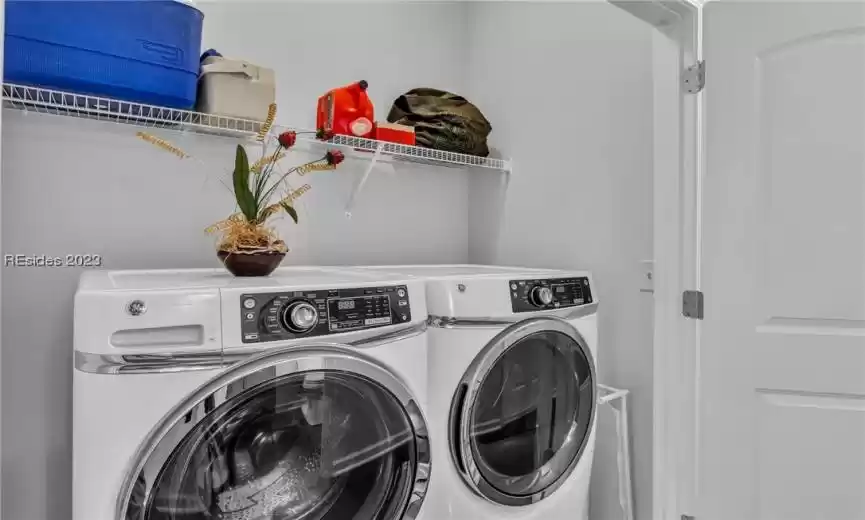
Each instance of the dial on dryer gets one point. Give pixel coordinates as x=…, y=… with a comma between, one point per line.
x=541, y=296
x=299, y=316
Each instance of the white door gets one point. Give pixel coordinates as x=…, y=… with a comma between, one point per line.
x=782, y=354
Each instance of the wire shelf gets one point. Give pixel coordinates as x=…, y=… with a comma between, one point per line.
x=419, y=154
x=105, y=109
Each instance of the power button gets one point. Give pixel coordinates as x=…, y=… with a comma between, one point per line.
x=401, y=293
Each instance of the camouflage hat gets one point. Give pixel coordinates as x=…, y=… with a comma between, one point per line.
x=442, y=121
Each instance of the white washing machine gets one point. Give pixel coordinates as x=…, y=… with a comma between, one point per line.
x=298, y=396
x=512, y=390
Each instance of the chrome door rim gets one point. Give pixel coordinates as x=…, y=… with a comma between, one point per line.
x=462, y=408
x=286, y=361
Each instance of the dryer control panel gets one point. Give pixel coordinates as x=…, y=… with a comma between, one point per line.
x=547, y=294
x=289, y=315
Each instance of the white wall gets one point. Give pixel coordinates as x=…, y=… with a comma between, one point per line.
x=88, y=187
x=568, y=87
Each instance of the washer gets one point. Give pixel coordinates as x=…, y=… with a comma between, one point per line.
x=512, y=390
x=198, y=395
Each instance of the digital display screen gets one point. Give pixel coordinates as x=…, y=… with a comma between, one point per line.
x=560, y=288
x=345, y=305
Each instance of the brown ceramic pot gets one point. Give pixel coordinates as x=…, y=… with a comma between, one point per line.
x=251, y=264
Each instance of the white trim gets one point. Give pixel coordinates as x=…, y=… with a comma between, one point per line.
x=667, y=257
x=678, y=167
x=677, y=175
x=676, y=228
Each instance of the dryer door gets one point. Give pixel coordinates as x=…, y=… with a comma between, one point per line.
x=311, y=433
x=522, y=415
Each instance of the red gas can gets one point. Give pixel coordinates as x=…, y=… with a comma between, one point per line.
x=346, y=111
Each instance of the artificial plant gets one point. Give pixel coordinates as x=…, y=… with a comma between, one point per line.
x=254, y=187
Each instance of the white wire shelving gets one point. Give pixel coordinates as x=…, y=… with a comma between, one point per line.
x=62, y=103
x=420, y=154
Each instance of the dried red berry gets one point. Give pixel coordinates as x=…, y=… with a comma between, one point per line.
x=287, y=139
x=334, y=157
x=324, y=135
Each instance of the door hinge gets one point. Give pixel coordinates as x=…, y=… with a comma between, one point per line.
x=692, y=304
x=694, y=78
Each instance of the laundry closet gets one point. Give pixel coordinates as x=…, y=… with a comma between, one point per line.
x=567, y=88
x=717, y=204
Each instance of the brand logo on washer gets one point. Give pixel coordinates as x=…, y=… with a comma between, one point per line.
x=136, y=308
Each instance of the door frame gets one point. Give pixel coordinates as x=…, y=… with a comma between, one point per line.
x=678, y=170
x=677, y=187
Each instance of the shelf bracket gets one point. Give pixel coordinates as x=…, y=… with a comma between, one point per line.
x=359, y=186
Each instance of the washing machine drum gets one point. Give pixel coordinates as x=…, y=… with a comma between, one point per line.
x=309, y=446
x=523, y=414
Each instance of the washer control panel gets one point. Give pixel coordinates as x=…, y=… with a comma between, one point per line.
x=546, y=294
x=289, y=315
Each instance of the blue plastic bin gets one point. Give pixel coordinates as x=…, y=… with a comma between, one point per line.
x=146, y=51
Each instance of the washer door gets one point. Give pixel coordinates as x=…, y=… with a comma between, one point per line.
x=315, y=433
x=522, y=414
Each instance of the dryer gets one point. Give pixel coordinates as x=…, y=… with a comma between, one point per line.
x=198, y=395
x=512, y=390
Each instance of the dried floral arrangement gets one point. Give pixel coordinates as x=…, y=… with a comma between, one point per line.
x=247, y=231
x=261, y=191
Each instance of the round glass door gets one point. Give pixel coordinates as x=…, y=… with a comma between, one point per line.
x=326, y=444
x=523, y=414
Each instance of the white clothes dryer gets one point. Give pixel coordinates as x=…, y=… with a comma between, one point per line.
x=198, y=395
x=512, y=390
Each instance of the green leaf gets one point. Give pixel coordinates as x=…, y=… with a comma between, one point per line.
x=245, y=200
x=290, y=210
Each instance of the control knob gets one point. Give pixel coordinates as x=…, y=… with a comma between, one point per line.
x=299, y=316
x=541, y=296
